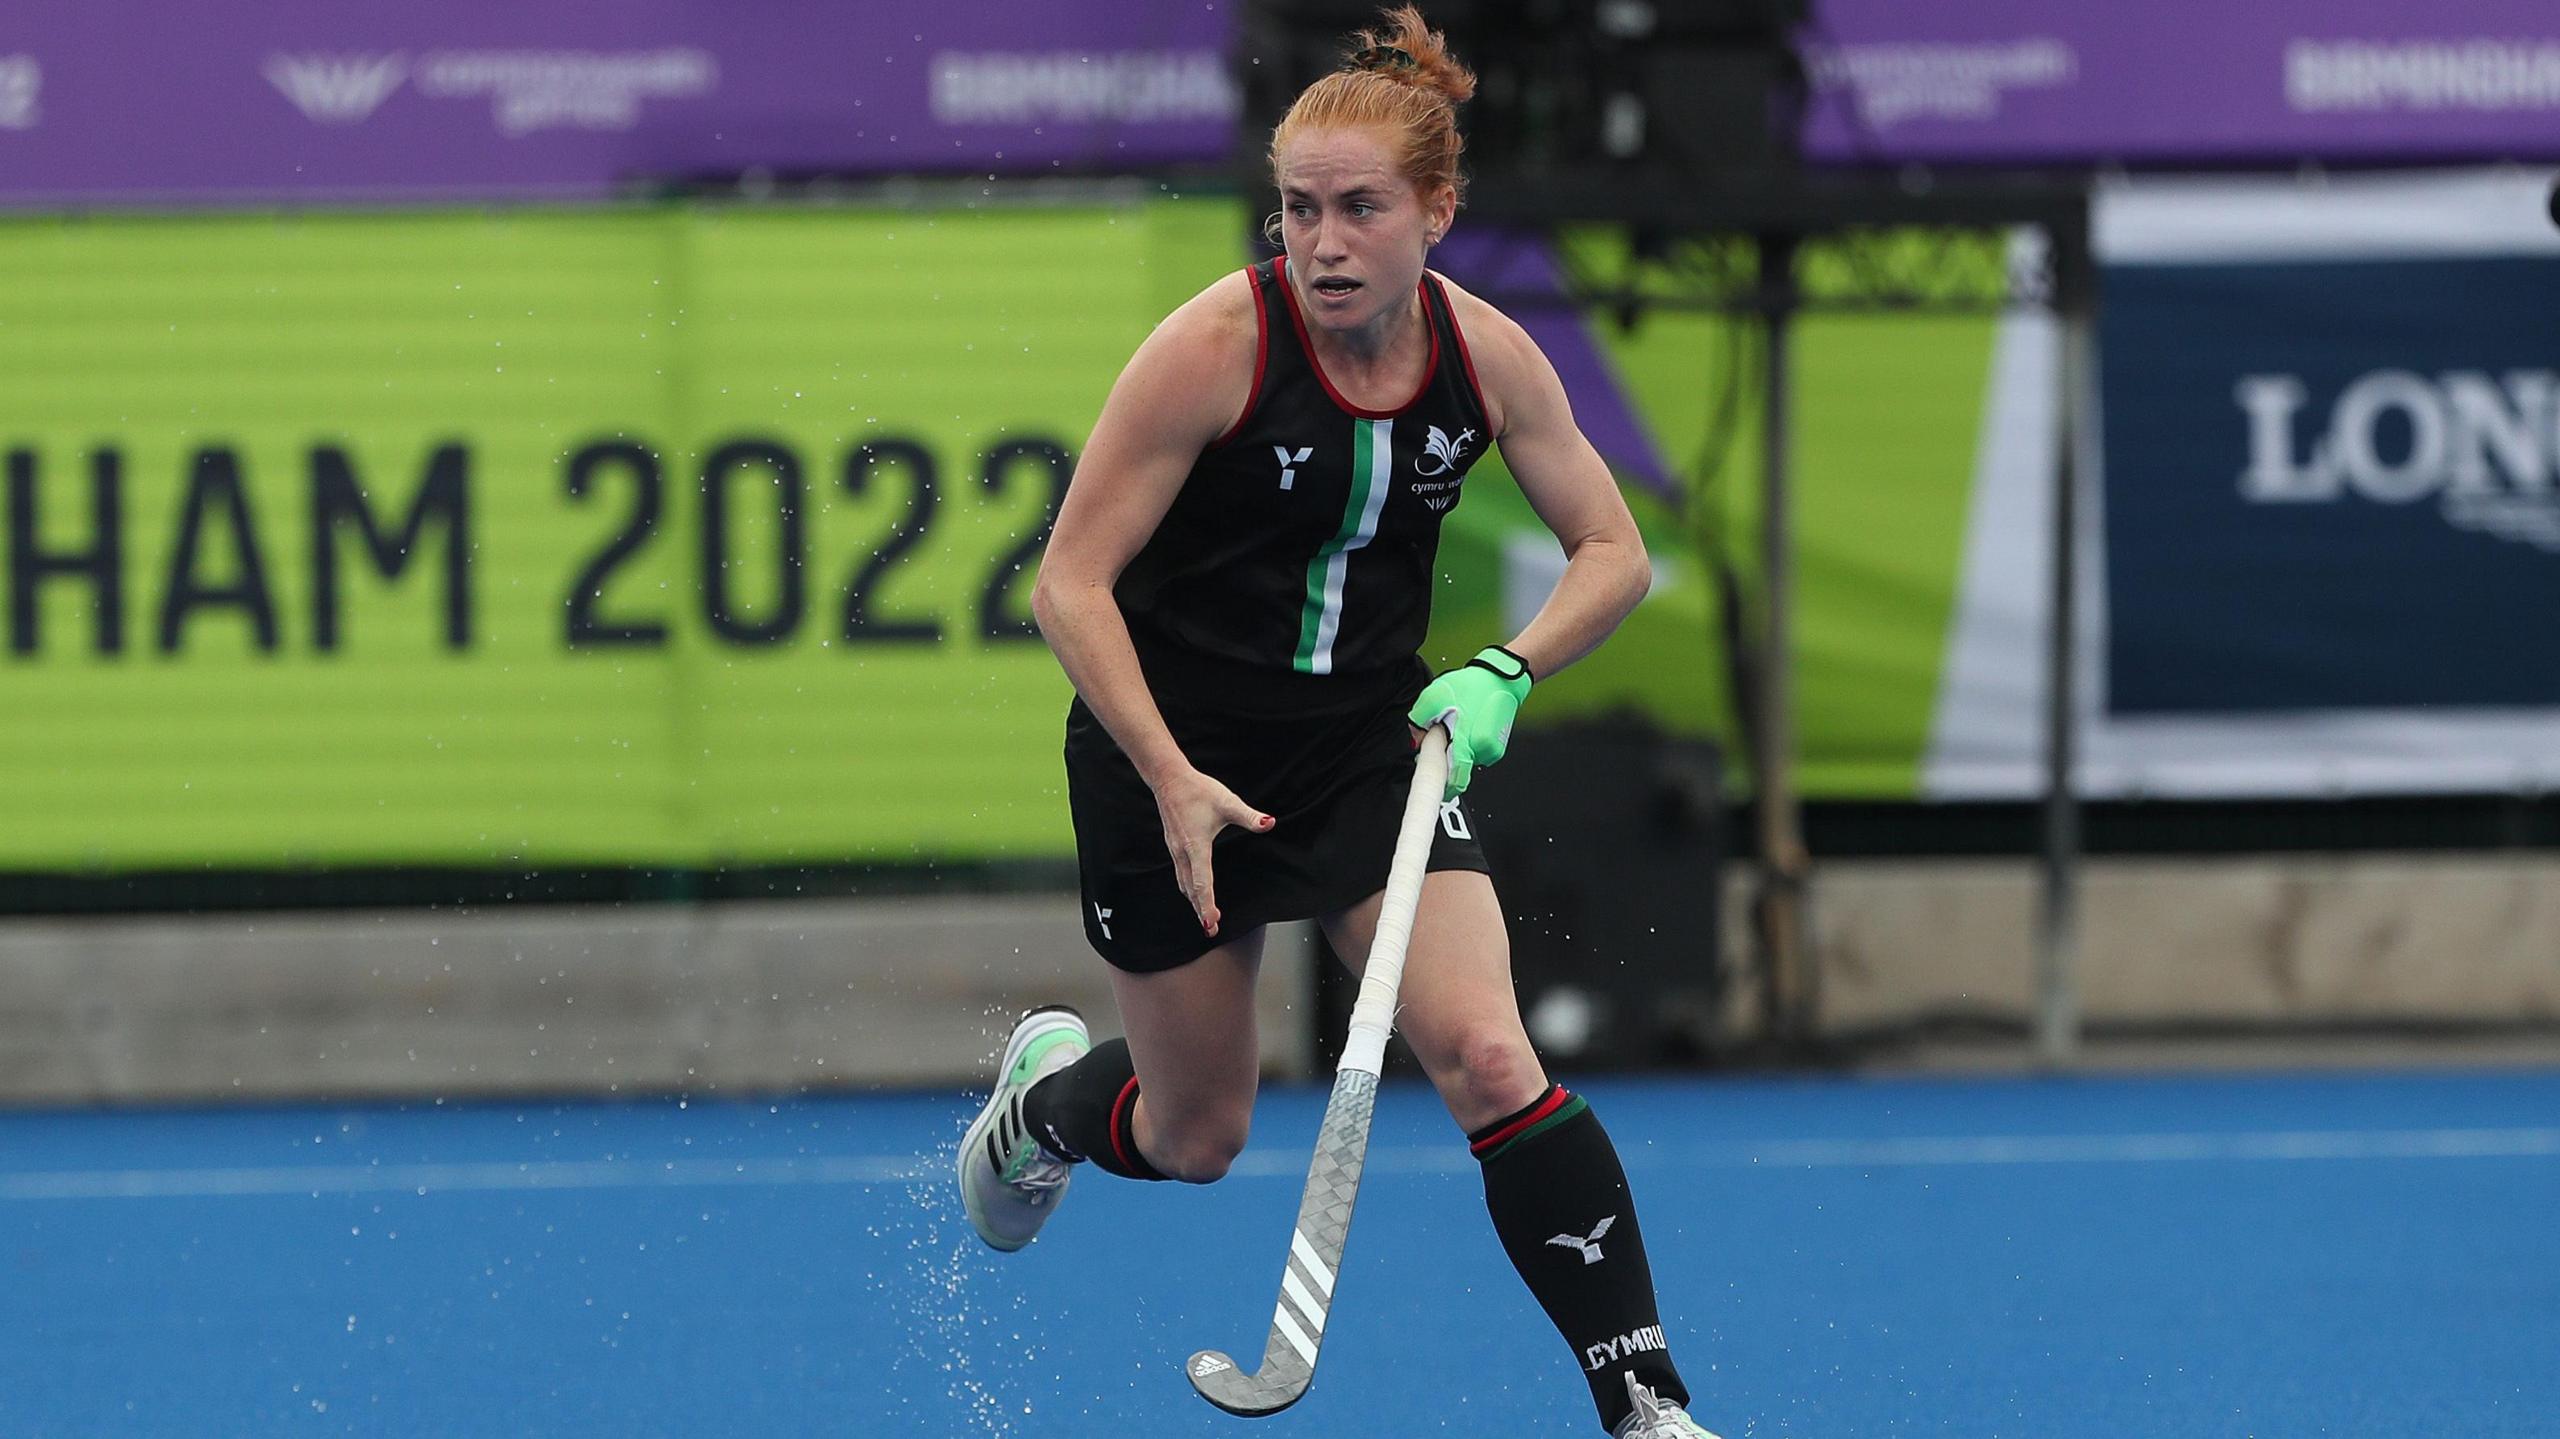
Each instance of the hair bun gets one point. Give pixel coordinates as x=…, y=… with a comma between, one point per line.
x=1408, y=50
x=1401, y=82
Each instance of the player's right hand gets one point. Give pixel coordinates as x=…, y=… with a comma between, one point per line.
x=1196, y=809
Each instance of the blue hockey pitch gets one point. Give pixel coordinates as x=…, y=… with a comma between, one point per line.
x=1841, y=1258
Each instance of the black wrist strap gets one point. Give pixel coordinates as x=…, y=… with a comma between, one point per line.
x=1479, y=662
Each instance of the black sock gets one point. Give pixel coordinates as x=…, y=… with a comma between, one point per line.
x=1560, y=1203
x=1088, y=1109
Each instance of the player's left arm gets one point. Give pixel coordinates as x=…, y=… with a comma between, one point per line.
x=1606, y=570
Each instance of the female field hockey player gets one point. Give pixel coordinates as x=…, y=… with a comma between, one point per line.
x=1238, y=585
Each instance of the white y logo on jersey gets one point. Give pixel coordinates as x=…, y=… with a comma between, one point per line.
x=1588, y=1244
x=1440, y=453
x=1290, y=459
x=1102, y=917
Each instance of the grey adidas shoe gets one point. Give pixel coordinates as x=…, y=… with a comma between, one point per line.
x=1008, y=1183
x=1657, y=1418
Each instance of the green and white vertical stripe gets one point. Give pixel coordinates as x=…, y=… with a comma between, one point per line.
x=1372, y=459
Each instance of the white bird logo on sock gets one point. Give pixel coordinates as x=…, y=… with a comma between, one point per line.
x=1588, y=1245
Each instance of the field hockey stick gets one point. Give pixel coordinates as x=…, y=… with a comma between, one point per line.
x=1333, y=1181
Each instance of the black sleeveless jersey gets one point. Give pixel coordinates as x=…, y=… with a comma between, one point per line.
x=1296, y=562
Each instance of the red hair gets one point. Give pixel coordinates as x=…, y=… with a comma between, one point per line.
x=1401, y=81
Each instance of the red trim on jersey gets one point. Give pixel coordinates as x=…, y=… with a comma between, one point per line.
x=1430, y=368
x=1122, y=1144
x=1466, y=358
x=1261, y=357
x=1557, y=1097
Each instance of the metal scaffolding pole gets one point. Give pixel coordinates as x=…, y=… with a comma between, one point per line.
x=2057, y=960
x=1787, y=996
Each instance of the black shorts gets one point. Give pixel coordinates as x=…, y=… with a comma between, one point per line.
x=1335, y=779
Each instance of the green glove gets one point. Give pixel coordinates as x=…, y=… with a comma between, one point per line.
x=1477, y=701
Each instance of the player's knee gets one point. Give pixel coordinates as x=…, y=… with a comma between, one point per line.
x=1492, y=1069
x=1199, y=1151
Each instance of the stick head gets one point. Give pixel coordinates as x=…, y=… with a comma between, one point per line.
x=1224, y=1383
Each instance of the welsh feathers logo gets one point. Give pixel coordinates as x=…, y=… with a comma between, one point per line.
x=1441, y=454
x=336, y=89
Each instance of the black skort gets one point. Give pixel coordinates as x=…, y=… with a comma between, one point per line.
x=1334, y=778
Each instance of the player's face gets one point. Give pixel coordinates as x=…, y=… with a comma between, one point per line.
x=1355, y=228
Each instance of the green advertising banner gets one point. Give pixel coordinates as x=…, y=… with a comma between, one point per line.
x=696, y=536
x=670, y=537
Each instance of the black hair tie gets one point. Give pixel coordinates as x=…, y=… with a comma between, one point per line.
x=1383, y=57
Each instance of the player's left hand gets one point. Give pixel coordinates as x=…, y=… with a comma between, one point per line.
x=1477, y=701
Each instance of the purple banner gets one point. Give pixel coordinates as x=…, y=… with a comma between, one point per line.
x=2184, y=81
x=122, y=102
x=126, y=102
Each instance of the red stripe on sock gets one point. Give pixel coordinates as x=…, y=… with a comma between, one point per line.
x=1121, y=1143
x=1555, y=1100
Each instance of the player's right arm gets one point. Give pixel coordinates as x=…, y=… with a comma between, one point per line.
x=1187, y=383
